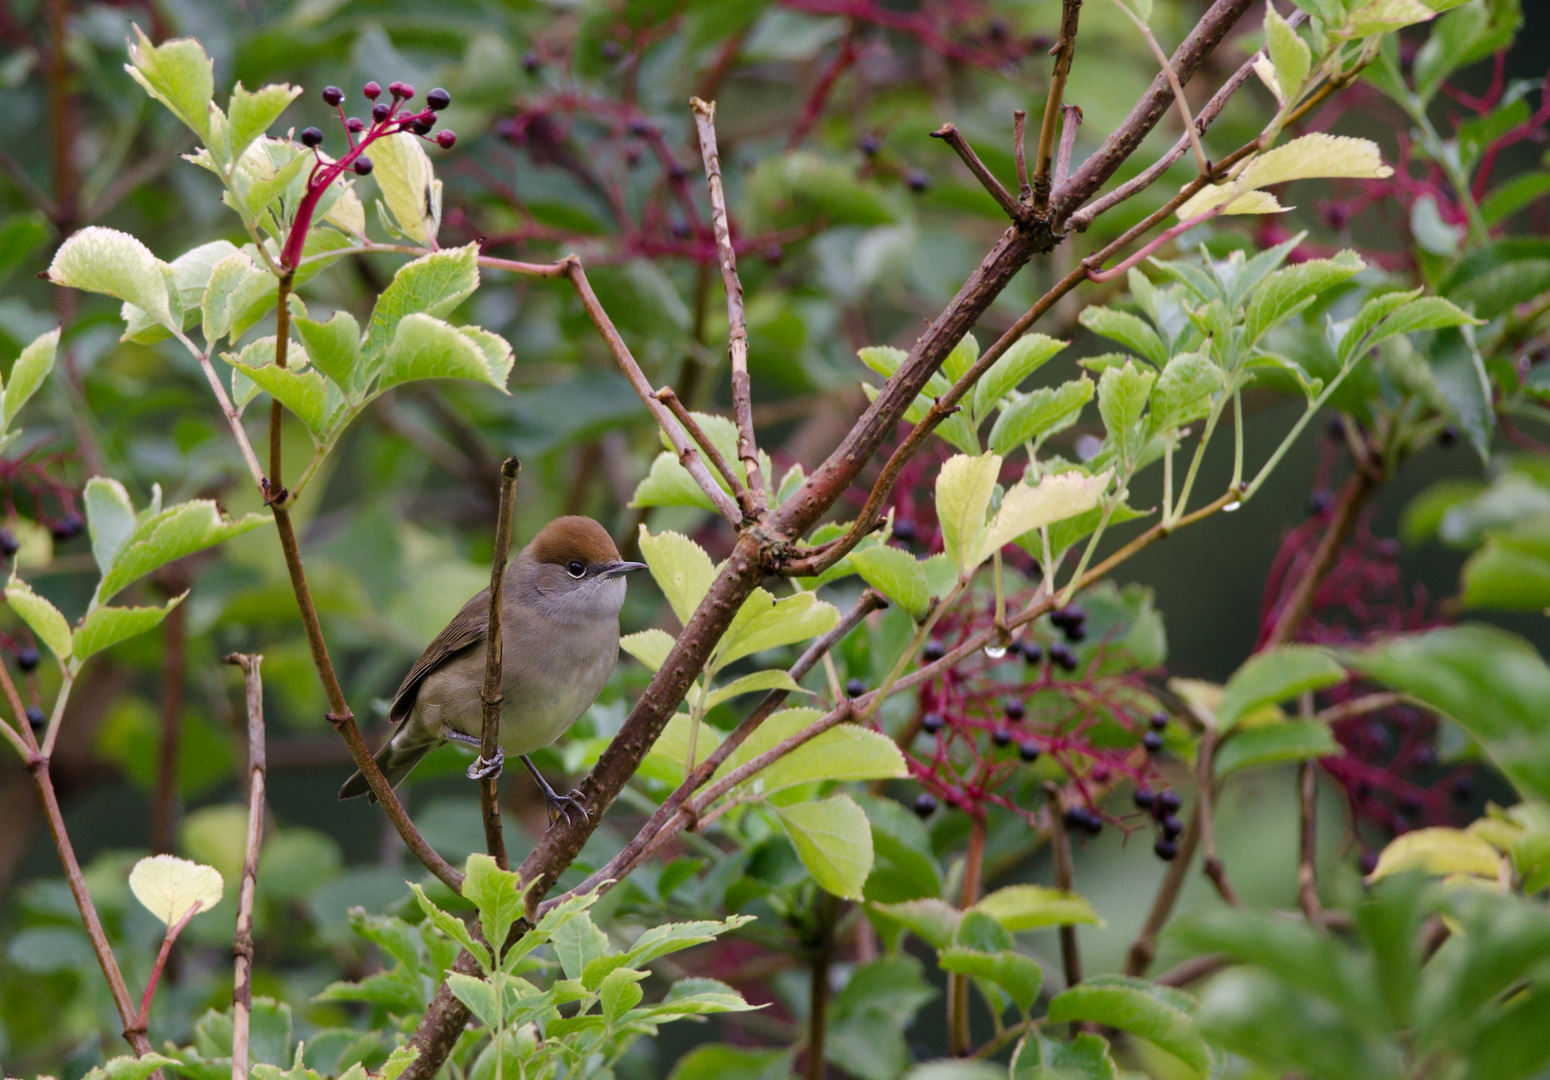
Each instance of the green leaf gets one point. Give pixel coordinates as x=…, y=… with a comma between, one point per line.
x=932, y=920
x=1184, y=390
x=962, y=357
x=177, y=73
x=235, y=288
x=497, y=894
x=1035, y=416
x=171, y=534
x=870, y=1014
x=433, y=284
x=1490, y=682
x=904, y=866
x=766, y=623
x=834, y=842
x=1288, y=52
x=1085, y=1057
x=28, y=373
x=668, y=938
x=452, y=926
x=897, y=575
x=1287, y=291
x=333, y=347
x=650, y=647
x=1274, y=743
x=116, y=264
x=1507, y=199
x=1056, y=497
x=1138, y=1007
x=110, y=518
x=105, y=627
x=773, y=679
x=1025, y=356
x=1129, y=330
x=43, y=617
x=1383, y=16
x=681, y=568
x=791, y=190
x=845, y=752
x=1029, y=907
x=577, y=943
x=1020, y=976
x=409, y=188
x=963, y=490
x=717, y=1061
x=620, y=992
x=1273, y=676
x=131, y=1068
x=1122, y=395
x=479, y=996
x=1441, y=851
x=669, y=484
x=424, y=347
x=251, y=112
x=302, y=392
x=1511, y=571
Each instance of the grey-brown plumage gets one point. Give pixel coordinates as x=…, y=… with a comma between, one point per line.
x=559, y=642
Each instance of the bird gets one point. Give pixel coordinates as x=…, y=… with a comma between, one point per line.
x=560, y=602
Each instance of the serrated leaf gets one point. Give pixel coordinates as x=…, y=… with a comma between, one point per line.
x=962, y=357
x=833, y=840
x=1440, y=851
x=1273, y=744
x=105, y=627
x=1317, y=156
x=177, y=73
x=846, y=752
x=333, y=347
x=131, y=1068
x=251, y=112
x=897, y=575
x=114, y=263
x=41, y=616
x=171, y=534
x=1287, y=291
x=753, y=682
x=451, y=926
x=1029, y=907
x=170, y=887
x=433, y=284
x=963, y=490
x=1288, y=52
x=1184, y=391
x=766, y=623
x=28, y=373
x=1020, y=976
x=1039, y=414
x=1056, y=497
x=1231, y=199
x=933, y=921
x=1131, y=331
x=409, y=188
x=1085, y=1057
x=110, y=518
x=236, y=285
x=302, y=392
x=1025, y=356
x=1385, y=16
x=650, y=647
x=424, y=347
x=1136, y=1006
x=479, y=996
x=497, y=894
x=577, y=943
x=1122, y=395
x=681, y=568
x=1273, y=676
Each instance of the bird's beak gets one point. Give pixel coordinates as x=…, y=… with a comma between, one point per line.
x=620, y=569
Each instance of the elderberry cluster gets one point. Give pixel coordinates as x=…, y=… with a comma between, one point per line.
x=1163, y=806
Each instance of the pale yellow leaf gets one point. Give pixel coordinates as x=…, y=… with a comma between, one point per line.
x=1441, y=851
x=1055, y=498
x=963, y=490
x=170, y=887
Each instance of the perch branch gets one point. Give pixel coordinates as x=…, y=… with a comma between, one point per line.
x=669, y=397
x=491, y=696
x=242, y=941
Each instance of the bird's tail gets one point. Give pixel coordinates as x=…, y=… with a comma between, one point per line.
x=395, y=761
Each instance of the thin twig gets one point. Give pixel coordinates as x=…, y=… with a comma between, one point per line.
x=1145, y=946
x=1363, y=705
x=950, y=134
x=1070, y=124
x=737, y=337
x=1065, y=879
x=1177, y=87
x=491, y=696
x=1193, y=970
x=1064, y=49
x=1020, y=153
x=1211, y=863
x=1307, y=828
x=688, y=456
x=960, y=1041
x=242, y=941
x=669, y=397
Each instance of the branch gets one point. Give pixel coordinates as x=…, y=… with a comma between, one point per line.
x=687, y=454
x=1064, y=50
x=1070, y=124
x=1178, y=89
x=949, y=134
x=491, y=696
x=960, y=1041
x=737, y=346
x=669, y=397
x=1145, y=945
x=1065, y=878
x=242, y=942
x=1307, y=843
x=1205, y=755
x=1020, y=152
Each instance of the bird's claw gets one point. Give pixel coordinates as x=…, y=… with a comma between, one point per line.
x=562, y=806
x=488, y=770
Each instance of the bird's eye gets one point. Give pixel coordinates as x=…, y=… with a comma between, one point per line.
x=577, y=569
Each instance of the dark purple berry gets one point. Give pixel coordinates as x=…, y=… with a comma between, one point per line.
x=855, y=688
x=9, y=545
x=1425, y=757
x=1166, y=850
x=1448, y=435
x=446, y=139
x=639, y=127
x=1168, y=801
x=531, y=62
x=372, y=91
x=1158, y=720
x=401, y=90
x=1001, y=737
x=36, y=718
x=363, y=166
x=1172, y=826
x=917, y=180
x=1092, y=824
x=312, y=136
x=1368, y=862
x=904, y=531
x=420, y=127
x=1029, y=751
x=933, y=651
x=355, y=125
x=27, y=658
x=1410, y=806
x=932, y=723
x=1318, y=502
x=1033, y=652
x=1145, y=797
x=1068, y=616
x=1076, y=817
x=1335, y=429
x=610, y=50
x=1153, y=742
x=332, y=95
x=1100, y=773
x=1060, y=654
x=925, y=804
x=1076, y=631
x=68, y=527
x=869, y=145
x=1464, y=788
x=381, y=111
x=438, y=99
x=1015, y=710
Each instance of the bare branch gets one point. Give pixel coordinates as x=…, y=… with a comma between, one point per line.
x=1307, y=843
x=242, y=942
x=1020, y=153
x=737, y=345
x=491, y=696
x=1065, y=878
x=669, y=397
x=1070, y=124
x=1211, y=863
x=688, y=456
x=950, y=134
x=1064, y=50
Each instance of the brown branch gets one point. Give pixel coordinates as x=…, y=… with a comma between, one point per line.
x=1065, y=878
x=737, y=344
x=818, y=986
x=1307, y=843
x=1363, y=705
x=1193, y=970
x=1064, y=50
x=1145, y=946
x=491, y=696
x=687, y=454
x=960, y=1041
x=1205, y=755
x=669, y=397
x=1020, y=153
x=950, y=134
x=1070, y=124
x=242, y=942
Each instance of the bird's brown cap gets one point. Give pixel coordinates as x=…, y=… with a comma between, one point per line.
x=568, y=539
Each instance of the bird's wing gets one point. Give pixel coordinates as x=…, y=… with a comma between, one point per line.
x=464, y=631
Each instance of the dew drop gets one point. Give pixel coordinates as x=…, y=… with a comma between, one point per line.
x=1230, y=507
x=995, y=652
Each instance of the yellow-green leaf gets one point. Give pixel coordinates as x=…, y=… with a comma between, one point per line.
x=409, y=188
x=105, y=627
x=1028, y=907
x=766, y=623
x=28, y=373
x=115, y=264
x=1054, y=498
x=1273, y=676
x=1288, y=52
x=834, y=842
x=1439, y=851
x=897, y=575
x=773, y=679
x=252, y=111
x=681, y=568
x=963, y=490
x=177, y=73
x=846, y=752
x=650, y=647
x=43, y=617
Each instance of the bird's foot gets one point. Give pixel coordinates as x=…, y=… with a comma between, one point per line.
x=488, y=770
x=563, y=806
